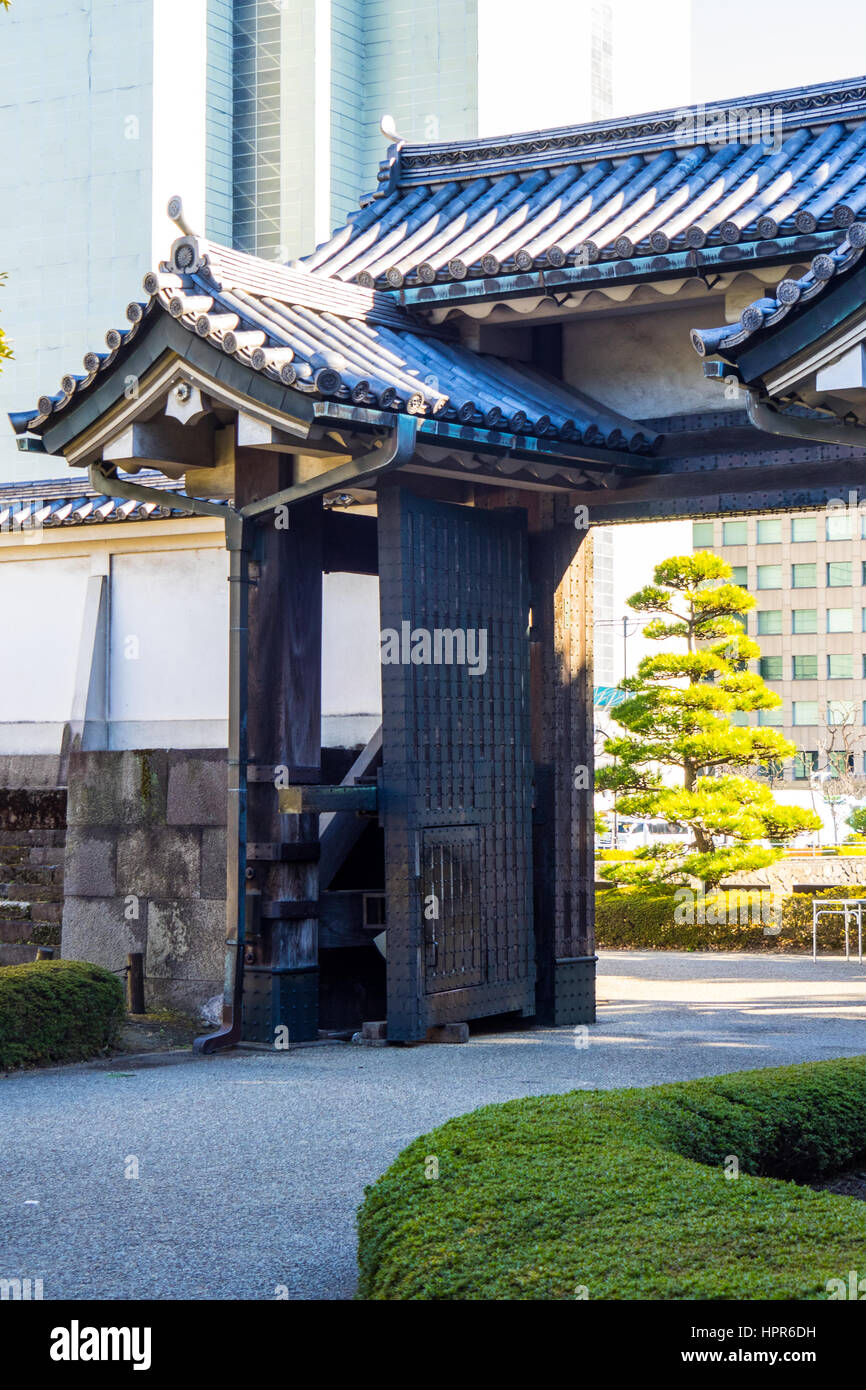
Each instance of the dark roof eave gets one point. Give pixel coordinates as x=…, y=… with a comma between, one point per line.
x=644, y=269
x=472, y=438
x=161, y=336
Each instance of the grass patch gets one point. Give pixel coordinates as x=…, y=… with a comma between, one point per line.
x=57, y=1011
x=624, y=1193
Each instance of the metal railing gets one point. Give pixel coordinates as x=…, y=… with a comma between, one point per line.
x=851, y=910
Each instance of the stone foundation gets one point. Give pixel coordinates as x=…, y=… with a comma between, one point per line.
x=145, y=868
x=789, y=875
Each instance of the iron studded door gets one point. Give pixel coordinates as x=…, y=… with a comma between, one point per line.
x=456, y=771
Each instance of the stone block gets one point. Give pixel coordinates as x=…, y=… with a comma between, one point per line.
x=12, y=954
x=46, y=912
x=448, y=1033
x=196, y=789
x=181, y=996
x=90, y=862
x=374, y=1032
x=159, y=862
x=15, y=929
x=213, y=863
x=31, y=770
x=96, y=929
x=186, y=940
x=118, y=788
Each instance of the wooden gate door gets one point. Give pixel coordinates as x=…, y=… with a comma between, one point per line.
x=456, y=771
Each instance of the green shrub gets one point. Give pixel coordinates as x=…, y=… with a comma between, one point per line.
x=57, y=1011
x=646, y=918
x=624, y=1194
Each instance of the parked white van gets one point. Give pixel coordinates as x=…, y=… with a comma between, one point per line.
x=634, y=833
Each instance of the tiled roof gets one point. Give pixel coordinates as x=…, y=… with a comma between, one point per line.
x=72, y=502
x=346, y=344
x=790, y=296
x=610, y=191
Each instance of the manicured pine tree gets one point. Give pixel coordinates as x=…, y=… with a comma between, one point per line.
x=678, y=717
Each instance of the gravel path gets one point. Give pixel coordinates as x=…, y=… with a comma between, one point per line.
x=251, y=1166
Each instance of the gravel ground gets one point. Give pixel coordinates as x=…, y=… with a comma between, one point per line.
x=251, y=1166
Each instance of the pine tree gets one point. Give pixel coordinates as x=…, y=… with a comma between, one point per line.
x=678, y=716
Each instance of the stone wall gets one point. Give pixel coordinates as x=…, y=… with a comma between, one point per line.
x=32, y=833
x=145, y=868
x=787, y=875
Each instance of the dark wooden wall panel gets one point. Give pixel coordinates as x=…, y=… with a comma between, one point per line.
x=455, y=756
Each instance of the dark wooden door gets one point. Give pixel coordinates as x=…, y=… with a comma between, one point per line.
x=456, y=771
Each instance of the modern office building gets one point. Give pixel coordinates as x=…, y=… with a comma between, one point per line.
x=280, y=104
x=807, y=573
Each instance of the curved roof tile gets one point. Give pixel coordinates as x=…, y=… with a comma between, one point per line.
x=769, y=310
x=346, y=344
x=747, y=170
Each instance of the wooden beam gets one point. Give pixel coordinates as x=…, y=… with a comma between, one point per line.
x=562, y=751
x=162, y=443
x=300, y=800
x=285, y=644
x=340, y=831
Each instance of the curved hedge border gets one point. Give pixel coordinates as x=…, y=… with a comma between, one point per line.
x=57, y=1011
x=623, y=1194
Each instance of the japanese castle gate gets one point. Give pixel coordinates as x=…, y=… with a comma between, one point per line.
x=409, y=401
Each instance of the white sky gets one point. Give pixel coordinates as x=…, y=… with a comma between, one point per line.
x=665, y=54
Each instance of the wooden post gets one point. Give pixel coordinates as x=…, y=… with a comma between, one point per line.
x=284, y=718
x=562, y=750
x=135, y=982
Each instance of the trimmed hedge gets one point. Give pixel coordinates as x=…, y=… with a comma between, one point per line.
x=623, y=1194
x=644, y=918
x=57, y=1011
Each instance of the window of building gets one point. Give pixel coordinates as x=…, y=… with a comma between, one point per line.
x=769, y=621
x=804, y=576
x=838, y=525
x=735, y=533
x=805, y=762
x=840, y=620
x=806, y=668
x=772, y=770
x=804, y=620
x=770, y=718
x=839, y=574
x=840, y=712
x=770, y=576
x=838, y=762
x=770, y=668
x=805, y=712
x=740, y=575
x=804, y=528
x=739, y=718
x=702, y=534
x=840, y=666
x=770, y=532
